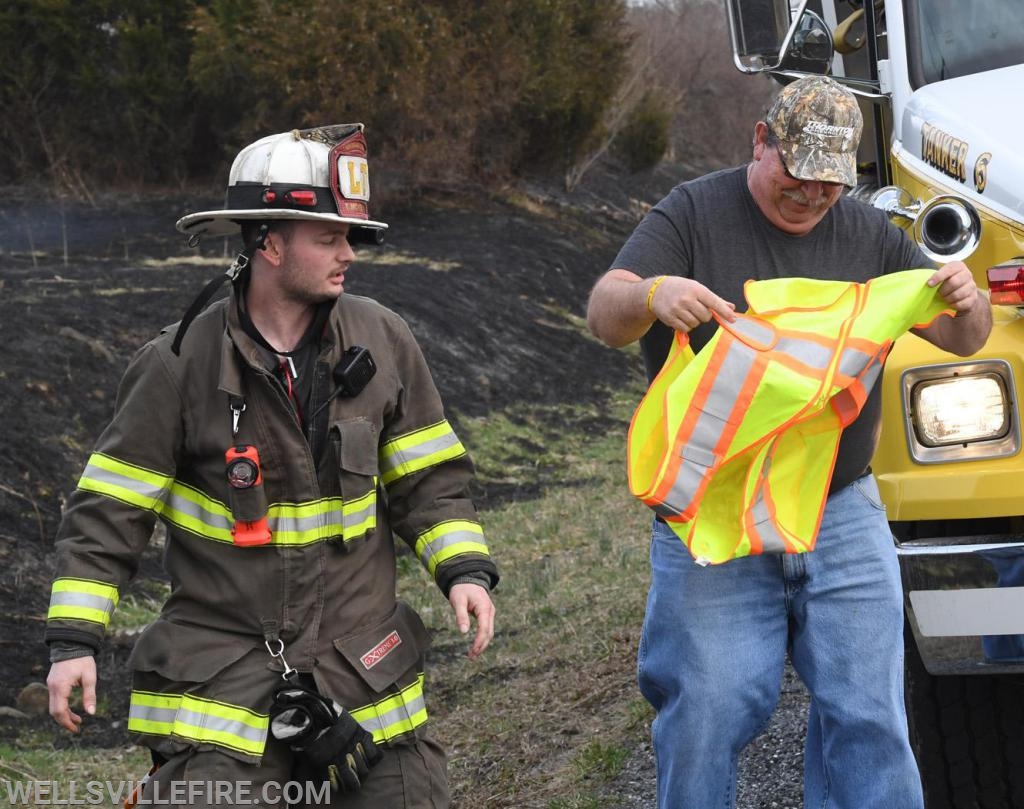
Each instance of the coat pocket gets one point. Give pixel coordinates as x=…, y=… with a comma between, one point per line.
x=355, y=447
x=383, y=654
x=388, y=658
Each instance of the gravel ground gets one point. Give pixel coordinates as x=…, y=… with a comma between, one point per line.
x=770, y=770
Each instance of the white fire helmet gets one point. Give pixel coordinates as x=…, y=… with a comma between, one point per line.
x=315, y=174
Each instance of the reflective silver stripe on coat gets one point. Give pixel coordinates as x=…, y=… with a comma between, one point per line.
x=130, y=484
x=400, y=719
x=82, y=600
x=198, y=720
x=219, y=725
x=448, y=540
x=408, y=458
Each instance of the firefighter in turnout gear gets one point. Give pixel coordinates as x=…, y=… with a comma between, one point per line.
x=280, y=434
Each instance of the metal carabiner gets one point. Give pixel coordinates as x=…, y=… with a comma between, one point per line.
x=236, y=414
x=279, y=655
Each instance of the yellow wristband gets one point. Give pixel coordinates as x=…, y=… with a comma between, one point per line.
x=650, y=292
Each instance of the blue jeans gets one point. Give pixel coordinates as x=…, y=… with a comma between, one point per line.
x=713, y=650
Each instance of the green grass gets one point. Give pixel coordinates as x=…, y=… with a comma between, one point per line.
x=601, y=760
x=550, y=714
x=140, y=607
x=36, y=759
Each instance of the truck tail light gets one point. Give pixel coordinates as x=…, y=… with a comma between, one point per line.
x=1006, y=283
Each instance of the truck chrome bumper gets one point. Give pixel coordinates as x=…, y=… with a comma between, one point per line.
x=965, y=600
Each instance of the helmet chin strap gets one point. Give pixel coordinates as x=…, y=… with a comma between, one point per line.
x=238, y=266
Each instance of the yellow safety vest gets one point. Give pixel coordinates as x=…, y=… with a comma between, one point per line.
x=734, y=447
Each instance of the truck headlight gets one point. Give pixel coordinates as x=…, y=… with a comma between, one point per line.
x=960, y=412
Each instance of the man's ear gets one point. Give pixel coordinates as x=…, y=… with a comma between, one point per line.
x=760, y=139
x=273, y=249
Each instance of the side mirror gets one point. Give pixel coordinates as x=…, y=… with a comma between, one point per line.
x=761, y=32
x=811, y=48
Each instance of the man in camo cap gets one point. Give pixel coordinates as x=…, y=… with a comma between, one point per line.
x=816, y=125
x=716, y=637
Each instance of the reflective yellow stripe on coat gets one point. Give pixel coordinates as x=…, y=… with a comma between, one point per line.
x=192, y=510
x=419, y=450
x=734, y=448
x=394, y=715
x=201, y=721
x=449, y=539
x=82, y=600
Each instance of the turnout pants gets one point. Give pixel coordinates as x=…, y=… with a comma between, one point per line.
x=409, y=776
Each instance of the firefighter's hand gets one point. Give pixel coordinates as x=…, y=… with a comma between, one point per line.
x=63, y=677
x=472, y=599
x=683, y=304
x=956, y=286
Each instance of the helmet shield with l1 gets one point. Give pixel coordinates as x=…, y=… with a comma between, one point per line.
x=318, y=174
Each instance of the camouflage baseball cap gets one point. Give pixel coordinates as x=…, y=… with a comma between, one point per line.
x=818, y=124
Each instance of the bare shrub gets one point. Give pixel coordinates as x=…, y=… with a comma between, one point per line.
x=679, y=71
x=682, y=47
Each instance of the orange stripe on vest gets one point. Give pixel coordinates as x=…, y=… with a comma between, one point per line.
x=735, y=447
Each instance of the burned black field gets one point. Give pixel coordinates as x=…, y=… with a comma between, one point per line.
x=495, y=291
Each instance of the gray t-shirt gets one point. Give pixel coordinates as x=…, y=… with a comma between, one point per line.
x=710, y=229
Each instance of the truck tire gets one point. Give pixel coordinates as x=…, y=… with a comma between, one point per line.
x=968, y=736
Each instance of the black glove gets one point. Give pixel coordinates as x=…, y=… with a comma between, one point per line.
x=345, y=752
x=331, y=747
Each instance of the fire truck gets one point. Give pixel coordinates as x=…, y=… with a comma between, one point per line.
x=941, y=86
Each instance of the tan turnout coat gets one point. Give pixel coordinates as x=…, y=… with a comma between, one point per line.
x=323, y=590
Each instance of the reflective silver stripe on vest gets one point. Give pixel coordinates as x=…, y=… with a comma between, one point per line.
x=756, y=332
x=853, y=362
x=698, y=453
x=813, y=355
x=764, y=525
x=870, y=376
